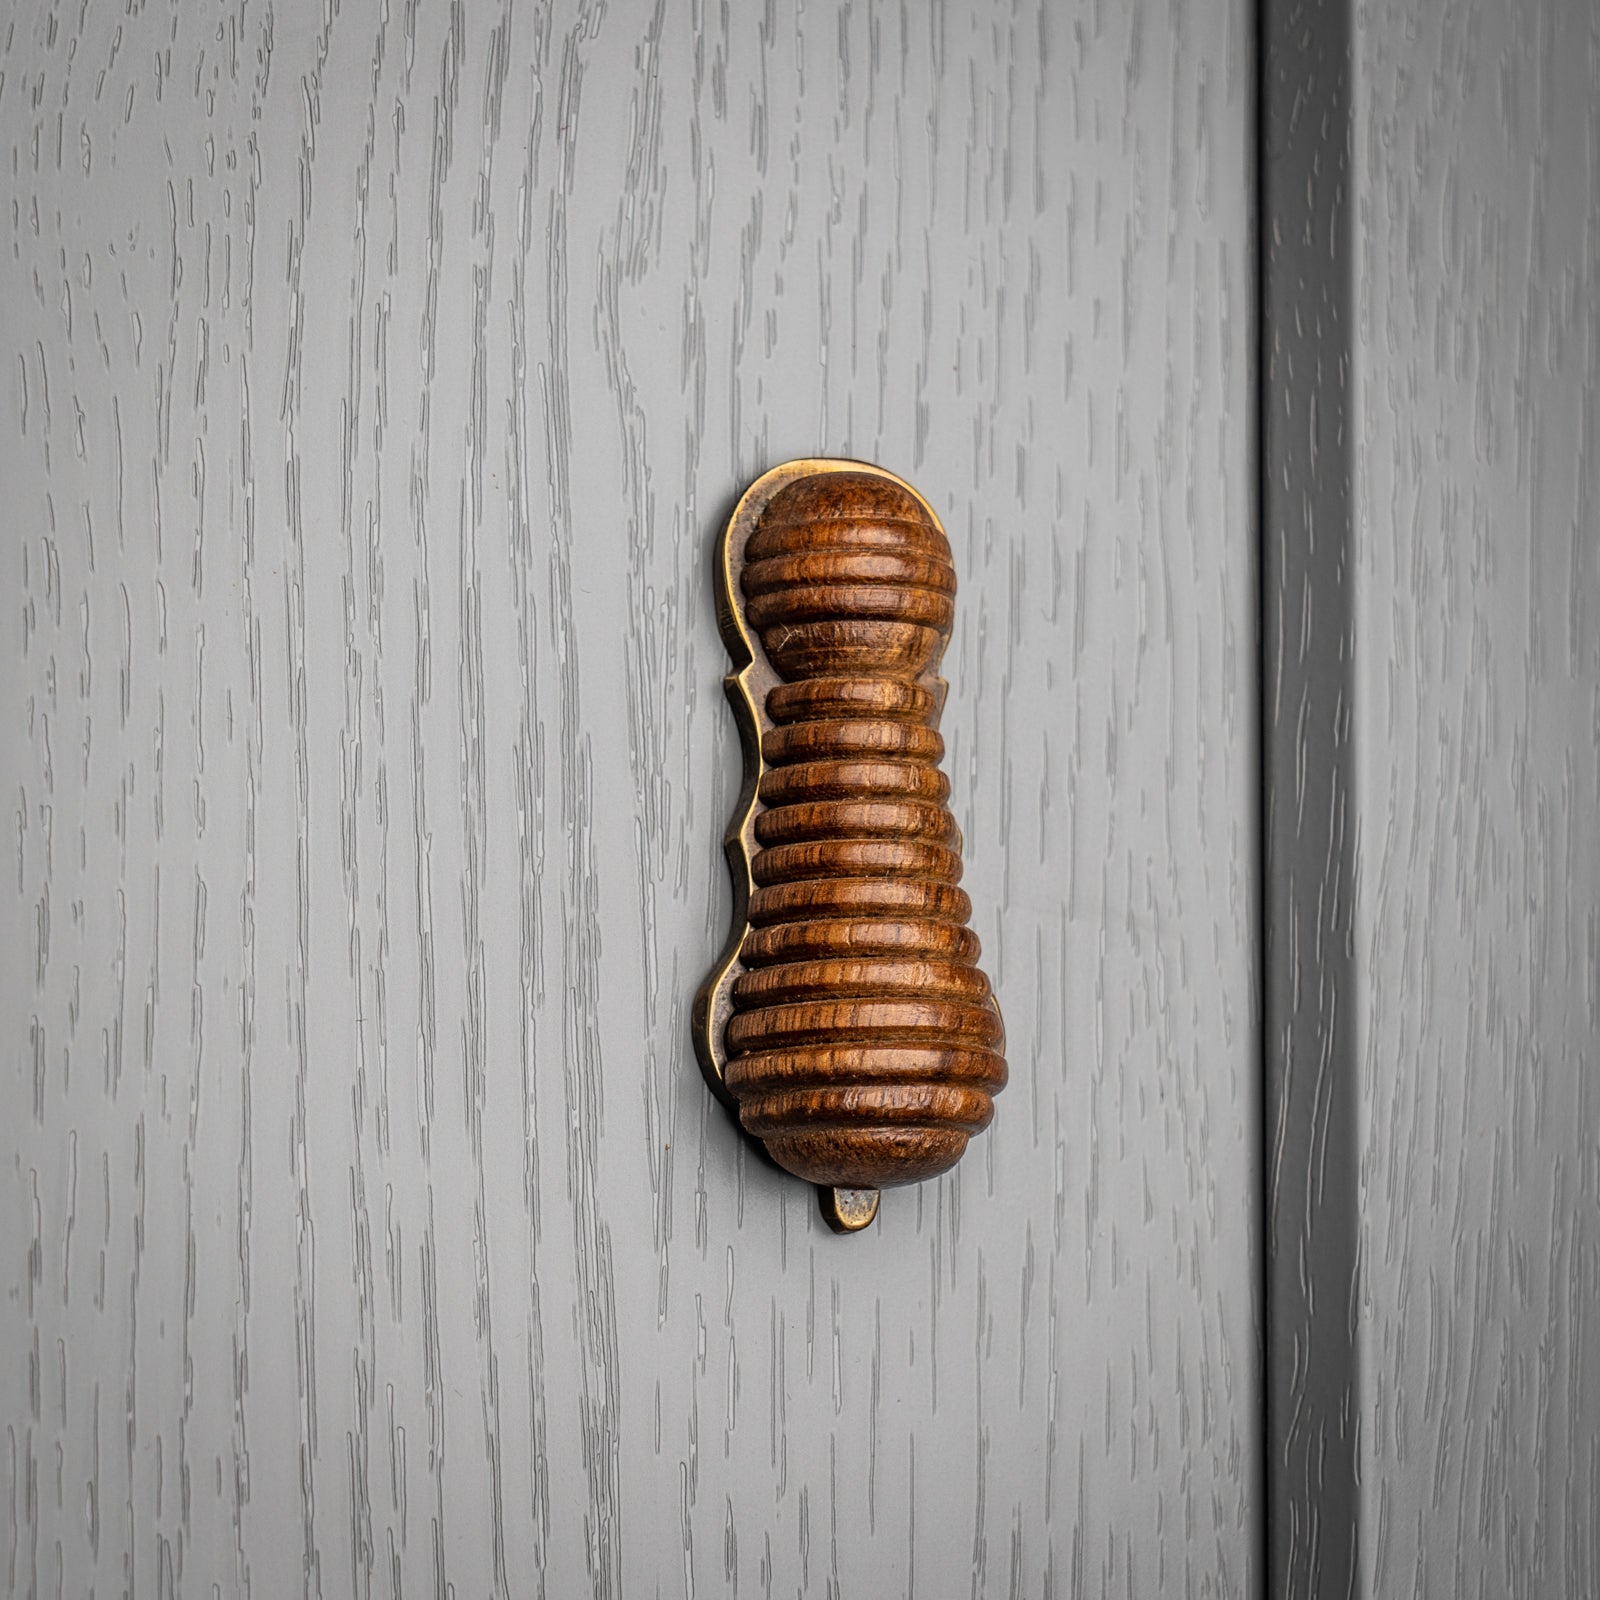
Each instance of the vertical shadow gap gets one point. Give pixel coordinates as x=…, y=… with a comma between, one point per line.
x=1310, y=1042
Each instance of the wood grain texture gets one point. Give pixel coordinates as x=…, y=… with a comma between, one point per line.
x=375, y=380
x=861, y=1053
x=1477, y=732
x=1308, y=645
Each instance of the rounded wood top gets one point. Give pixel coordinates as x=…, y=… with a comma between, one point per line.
x=847, y=574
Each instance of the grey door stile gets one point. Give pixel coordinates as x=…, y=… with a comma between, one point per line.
x=1430, y=399
x=376, y=379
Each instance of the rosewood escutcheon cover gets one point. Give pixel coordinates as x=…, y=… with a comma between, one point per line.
x=847, y=1022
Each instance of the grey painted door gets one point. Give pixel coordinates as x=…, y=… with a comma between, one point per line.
x=1431, y=409
x=1477, y=929
x=376, y=378
x=375, y=382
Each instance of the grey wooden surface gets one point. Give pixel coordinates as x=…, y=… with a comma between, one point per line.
x=375, y=380
x=1476, y=160
x=1431, y=698
x=1311, y=991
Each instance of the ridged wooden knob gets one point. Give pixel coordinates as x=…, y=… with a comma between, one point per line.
x=863, y=1046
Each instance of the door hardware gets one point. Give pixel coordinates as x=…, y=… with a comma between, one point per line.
x=846, y=1022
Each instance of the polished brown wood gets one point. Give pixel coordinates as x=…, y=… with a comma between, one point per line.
x=862, y=1043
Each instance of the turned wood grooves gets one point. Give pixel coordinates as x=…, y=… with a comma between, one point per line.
x=862, y=1044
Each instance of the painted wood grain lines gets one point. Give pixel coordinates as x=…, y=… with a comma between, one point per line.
x=1478, y=738
x=376, y=380
x=1308, y=826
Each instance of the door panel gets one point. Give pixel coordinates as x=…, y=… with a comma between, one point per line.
x=1478, y=758
x=1432, y=866
x=375, y=389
